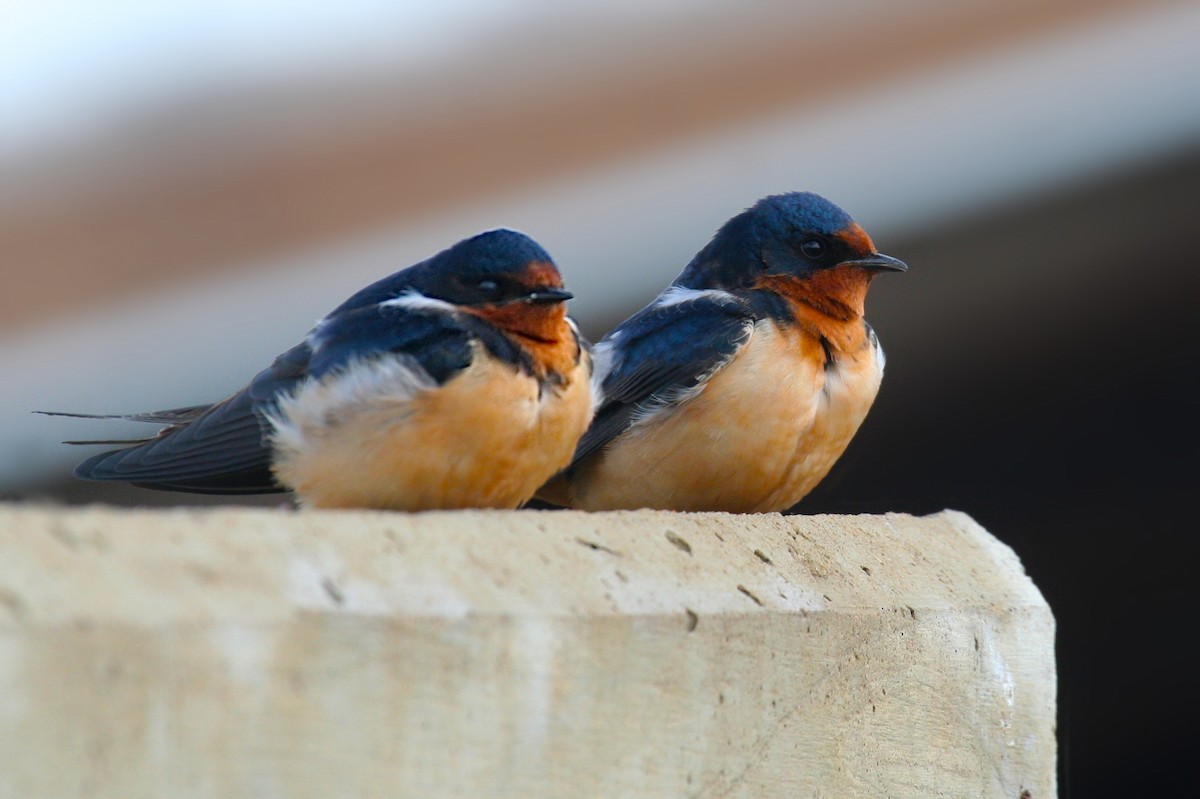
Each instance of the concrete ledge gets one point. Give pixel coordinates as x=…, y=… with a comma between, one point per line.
x=487, y=654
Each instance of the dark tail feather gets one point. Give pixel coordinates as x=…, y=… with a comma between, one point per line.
x=174, y=416
x=221, y=448
x=171, y=416
x=254, y=478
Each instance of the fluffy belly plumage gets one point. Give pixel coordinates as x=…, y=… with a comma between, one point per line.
x=487, y=438
x=760, y=435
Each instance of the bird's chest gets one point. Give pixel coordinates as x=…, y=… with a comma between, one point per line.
x=792, y=401
x=765, y=429
x=846, y=388
x=486, y=438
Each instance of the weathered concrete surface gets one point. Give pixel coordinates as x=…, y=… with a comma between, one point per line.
x=489, y=654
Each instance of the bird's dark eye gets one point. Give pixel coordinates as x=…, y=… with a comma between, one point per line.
x=488, y=286
x=812, y=248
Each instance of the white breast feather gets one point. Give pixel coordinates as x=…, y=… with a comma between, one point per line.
x=674, y=295
x=317, y=404
x=877, y=349
x=604, y=358
x=418, y=301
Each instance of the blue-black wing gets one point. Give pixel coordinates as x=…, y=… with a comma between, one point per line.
x=437, y=340
x=658, y=355
x=225, y=448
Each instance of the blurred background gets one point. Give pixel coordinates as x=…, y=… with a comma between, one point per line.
x=185, y=188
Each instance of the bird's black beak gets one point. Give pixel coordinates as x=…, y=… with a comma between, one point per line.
x=878, y=262
x=547, y=296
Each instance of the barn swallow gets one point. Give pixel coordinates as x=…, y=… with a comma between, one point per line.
x=458, y=382
x=741, y=384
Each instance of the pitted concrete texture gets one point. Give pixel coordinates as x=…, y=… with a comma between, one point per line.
x=258, y=653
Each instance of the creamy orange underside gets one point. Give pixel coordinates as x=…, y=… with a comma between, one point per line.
x=484, y=439
x=761, y=435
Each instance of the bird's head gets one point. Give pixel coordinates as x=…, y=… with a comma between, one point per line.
x=796, y=244
x=502, y=276
x=493, y=268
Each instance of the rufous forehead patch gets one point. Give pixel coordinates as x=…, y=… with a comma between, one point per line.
x=541, y=273
x=856, y=238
